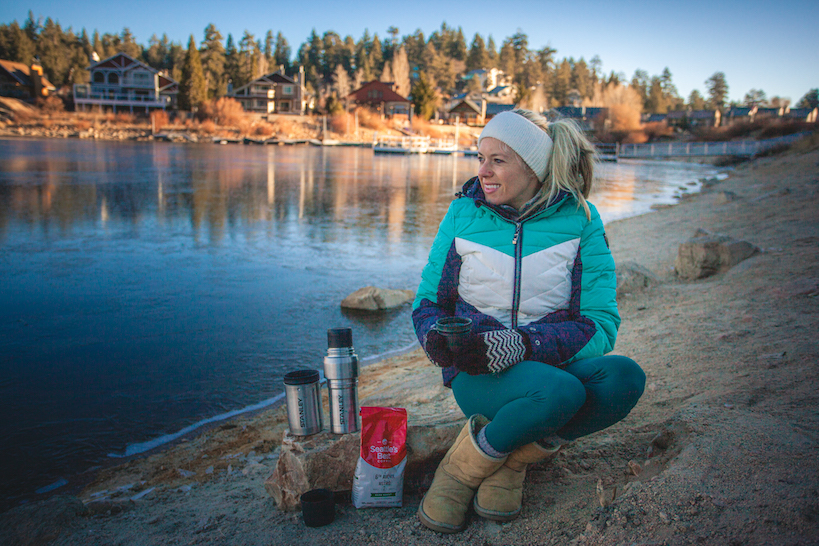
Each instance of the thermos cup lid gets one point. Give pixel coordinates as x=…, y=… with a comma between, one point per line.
x=338, y=338
x=318, y=507
x=301, y=377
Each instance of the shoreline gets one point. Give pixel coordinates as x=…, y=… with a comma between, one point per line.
x=74, y=482
x=729, y=371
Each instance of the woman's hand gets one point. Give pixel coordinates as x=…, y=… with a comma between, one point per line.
x=491, y=352
x=436, y=348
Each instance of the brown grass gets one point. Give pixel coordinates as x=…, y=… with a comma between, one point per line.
x=160, y=119
x=341, y=122
x=82, y=124
x=208, y=127
x=225, y=111
x=124, y=118
x=263, y=129
x=423, y=127
x=657, y=129
x=371, y=120
x=51, y=104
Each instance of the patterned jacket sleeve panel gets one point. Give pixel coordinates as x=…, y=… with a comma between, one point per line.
x=438, y=291
x=589, y=326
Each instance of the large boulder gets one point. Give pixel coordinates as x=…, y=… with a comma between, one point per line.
x=706, y=254
x=371, y=298
x=633, y=278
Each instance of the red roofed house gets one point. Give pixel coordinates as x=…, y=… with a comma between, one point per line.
x=23, y=82
x=381, y=97
x=123, y=83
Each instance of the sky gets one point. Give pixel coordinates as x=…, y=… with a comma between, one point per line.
x=770, y=46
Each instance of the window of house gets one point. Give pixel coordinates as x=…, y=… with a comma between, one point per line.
x=141, y=78
x=261, y=103
x=99, y=77
x=287, y=90
x=113, y=78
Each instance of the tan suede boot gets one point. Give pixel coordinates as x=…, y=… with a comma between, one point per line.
x=499, y=496
x=462, y=470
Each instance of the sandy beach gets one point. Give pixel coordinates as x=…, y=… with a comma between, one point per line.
x=723, y=448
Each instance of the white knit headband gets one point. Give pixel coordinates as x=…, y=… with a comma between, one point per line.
x=528, y=140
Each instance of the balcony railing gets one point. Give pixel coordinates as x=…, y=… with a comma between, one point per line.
x=110, y=95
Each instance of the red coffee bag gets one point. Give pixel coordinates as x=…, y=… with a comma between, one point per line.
x=379, y=474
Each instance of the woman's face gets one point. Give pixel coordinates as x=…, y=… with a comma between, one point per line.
x=504, y=179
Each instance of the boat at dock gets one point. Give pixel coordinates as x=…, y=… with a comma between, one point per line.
x=400, y=144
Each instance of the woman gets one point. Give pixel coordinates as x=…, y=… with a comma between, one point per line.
x=524, y=256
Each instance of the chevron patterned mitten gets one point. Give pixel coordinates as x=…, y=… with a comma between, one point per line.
x=492, y=352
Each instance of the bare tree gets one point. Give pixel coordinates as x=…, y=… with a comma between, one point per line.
x=401, y=72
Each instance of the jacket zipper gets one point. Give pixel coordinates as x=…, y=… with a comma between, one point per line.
x=517, y=243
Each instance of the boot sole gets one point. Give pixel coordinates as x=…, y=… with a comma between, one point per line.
x=437, y=525
x=494, y=515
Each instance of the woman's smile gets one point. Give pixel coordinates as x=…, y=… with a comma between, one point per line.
x=504, y=178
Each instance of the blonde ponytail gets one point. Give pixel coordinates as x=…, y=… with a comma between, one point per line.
x=571, y=165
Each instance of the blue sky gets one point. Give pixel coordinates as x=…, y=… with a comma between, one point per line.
x=762, y=45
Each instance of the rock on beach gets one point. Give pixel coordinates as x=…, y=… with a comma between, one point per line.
x=371, y=298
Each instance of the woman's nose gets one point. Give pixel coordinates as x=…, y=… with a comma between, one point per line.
x=484, y=169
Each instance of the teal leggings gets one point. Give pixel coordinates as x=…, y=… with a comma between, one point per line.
x=531, y=400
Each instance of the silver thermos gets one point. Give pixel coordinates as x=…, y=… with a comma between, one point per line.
x=341, y=371
x=303, y=397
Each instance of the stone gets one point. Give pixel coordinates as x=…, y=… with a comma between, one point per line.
x=40, y=522
x=632, y=278
x=371, y=298
x=707, y=254
x=724, y=197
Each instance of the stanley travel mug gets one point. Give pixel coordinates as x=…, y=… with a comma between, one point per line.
x=303, y=395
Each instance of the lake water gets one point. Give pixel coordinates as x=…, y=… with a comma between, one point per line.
x=147, y=287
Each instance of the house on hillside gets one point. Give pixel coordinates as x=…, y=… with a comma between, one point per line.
x=769, y=113
x=473, y=111
x=653, y=118
x=802, y=114
x=123, y=84
x=688, y=119
x=381, y=97
x=23, y=82
x=487, y=79
x=584, y=116
x=738, y=114
x=274, y=93
x=704, y=118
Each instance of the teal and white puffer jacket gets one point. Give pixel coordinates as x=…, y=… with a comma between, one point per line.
x=550, y=276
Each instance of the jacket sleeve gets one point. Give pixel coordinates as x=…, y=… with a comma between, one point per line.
x=438, y=290
x=588, y=328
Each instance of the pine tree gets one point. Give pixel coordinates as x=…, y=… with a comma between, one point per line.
x=281, y=57
x=492, y=52
x=717, y=90
x=193, y=90
x=213, y=62
x=696, y=101
x=424, y=98
x=477, y=58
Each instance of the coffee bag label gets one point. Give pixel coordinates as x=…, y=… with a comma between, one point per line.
x=379, y=473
